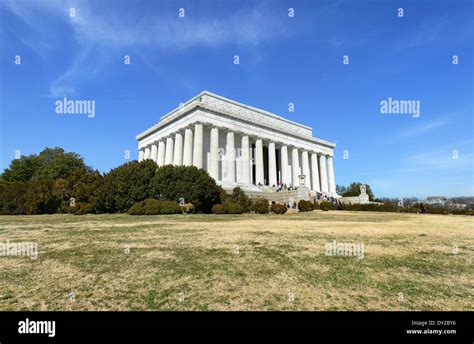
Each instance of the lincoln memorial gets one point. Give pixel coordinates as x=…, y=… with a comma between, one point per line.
x=239, y=145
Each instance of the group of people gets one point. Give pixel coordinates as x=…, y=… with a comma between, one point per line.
x=319, y=195
x=325, y=198
x=283, y=187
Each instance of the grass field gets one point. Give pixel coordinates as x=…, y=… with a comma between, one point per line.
x=241, y=262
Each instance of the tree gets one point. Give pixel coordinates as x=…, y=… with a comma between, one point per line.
x=40, y=198
x=51, y=163
x=13, y=197
x=340, y=189
x=22, y=169
x=56, y=164
x=125, y=185
x=47, y=183
x=188, y=184
x=78, y=188
x=241, y=198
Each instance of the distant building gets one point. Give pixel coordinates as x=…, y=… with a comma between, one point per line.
x=436, y=200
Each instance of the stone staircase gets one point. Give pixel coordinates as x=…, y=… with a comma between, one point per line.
x=281, y=197
x=265, y=191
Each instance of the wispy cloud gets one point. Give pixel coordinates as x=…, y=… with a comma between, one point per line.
x=246, y=27
x=417, y=130
x=95, y=32
x=454, y=156
x=335, y=41
x=422, y=129
x=432, y=29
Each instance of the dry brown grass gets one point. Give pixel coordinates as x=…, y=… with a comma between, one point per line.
x=405, y=255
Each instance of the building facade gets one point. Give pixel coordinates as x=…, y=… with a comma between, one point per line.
x=239, y=145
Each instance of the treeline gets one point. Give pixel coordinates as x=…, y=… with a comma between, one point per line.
x=58, y=182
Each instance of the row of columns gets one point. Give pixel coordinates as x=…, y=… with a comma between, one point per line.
x=319, y=175
x=173, y=151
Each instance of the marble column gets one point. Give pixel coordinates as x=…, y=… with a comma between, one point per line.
x=178, y=149
x=188, y=147
x=141, y=154
x=285, y=177
x=230, y=157
x=245, y=160
x=251, y=161
x=214, y=154
x=315, y=172
x=295, y=167
x=169, y=151
x=198, y=144
x=323, y=173
x=305, y=163
x=272, y=168
x=331, y=180
x=161, y=153
x=147, y=152
x=259, y=178
x=154, y=151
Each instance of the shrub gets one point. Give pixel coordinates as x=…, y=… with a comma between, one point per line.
x=188, y=182
x=82, y=209
x=365, y=207
x=305, y=205
x=259, y=206
x=152, y=206
x=233, y=208
x=278, y=208
x=241, y=198
x=218, y=209
x=227, y=208
x=388, y=207
x=136, y=209
x=169, y=207
x=325, y=206
x=462, y=212
x=187, y=208
x=316, y=205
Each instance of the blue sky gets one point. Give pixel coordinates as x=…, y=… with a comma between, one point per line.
x=282, y=59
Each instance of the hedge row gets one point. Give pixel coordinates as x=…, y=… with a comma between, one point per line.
x=258, y=206
x=228, y=208
x=390, y=207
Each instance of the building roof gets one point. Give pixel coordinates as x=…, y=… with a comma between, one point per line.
x=196, y=101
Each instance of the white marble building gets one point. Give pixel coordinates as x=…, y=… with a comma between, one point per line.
x=239, y=145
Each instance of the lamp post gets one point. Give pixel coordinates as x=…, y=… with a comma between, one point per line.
x=302, y=178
